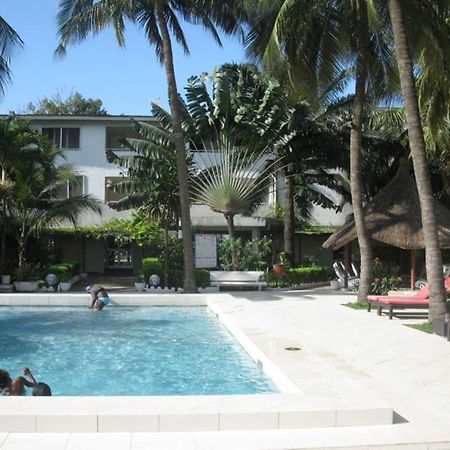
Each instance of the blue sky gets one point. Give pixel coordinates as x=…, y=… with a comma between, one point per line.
x=126, y=80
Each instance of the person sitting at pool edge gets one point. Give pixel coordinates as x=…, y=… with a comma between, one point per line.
x=100, y=297
x=8, y=386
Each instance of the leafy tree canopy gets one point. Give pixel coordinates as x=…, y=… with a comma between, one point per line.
x=75, y=104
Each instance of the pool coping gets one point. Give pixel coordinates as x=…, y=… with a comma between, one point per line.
x=287, y=410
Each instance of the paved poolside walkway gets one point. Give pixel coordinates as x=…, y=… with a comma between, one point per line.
x=343, y=353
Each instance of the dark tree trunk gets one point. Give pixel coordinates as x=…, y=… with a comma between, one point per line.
x=183, y=180
x=356, y=184
x=3, y=240
x=232, y=233
x=289, y=219
x=166, y=254
x=433, y=257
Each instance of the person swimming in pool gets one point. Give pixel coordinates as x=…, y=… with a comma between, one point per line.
x=100, y=297
x=8, y=386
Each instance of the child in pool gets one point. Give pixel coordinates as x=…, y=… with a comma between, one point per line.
x=8, y=386
x=100, y=297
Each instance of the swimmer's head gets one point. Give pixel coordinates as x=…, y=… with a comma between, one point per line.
x=88, y=288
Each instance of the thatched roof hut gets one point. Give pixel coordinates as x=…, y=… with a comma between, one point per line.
x=393, y=217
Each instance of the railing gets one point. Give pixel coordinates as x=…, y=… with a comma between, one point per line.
x=119, y=258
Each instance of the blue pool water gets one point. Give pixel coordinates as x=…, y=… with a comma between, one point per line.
x=127, y=351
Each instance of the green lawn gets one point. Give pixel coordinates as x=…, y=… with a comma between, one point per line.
x=356, y=305
x=425, y=327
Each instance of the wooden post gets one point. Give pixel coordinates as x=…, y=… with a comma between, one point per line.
x=347, y=262
x=413, y=269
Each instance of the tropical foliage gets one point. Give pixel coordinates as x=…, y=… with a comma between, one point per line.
x=74, y=104
x=33, y=179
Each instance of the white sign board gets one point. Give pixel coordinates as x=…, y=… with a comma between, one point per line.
x=205, y=251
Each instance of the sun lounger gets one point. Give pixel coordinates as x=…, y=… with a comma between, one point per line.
x=418, y=300
x=400, y=303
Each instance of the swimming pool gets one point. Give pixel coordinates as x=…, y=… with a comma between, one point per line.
x=128, y=351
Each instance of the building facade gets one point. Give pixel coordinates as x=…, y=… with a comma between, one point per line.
x=85, y=140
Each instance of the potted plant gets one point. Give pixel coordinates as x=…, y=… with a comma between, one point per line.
x=27, y=276
x=278, y=269
x=139, y=282
x=65, y=281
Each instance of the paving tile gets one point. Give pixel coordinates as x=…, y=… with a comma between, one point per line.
x=189, y=422
x=162, y=441
x=129, y=423
x=3, y=437
x=250, y=421
x=99, y=441
x=18, y=423
x=35, y=441
x=67, y=423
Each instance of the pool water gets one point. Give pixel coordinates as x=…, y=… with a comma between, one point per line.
x=127, y=351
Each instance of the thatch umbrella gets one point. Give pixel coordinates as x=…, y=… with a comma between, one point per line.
x=393, y=217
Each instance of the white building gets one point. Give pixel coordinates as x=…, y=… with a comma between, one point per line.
x=85, y=140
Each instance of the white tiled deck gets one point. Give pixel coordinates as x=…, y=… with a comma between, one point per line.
x=352, y=370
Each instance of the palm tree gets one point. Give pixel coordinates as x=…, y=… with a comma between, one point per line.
x=319, y=40
x=418, y=151
x=151, y=183
x=17, y=142
x=9, y=39
x=33, y=204
x=78, y=18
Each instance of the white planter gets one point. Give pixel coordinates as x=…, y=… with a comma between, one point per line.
x=26, y=286
x=140, y=287
x=335, y=284
x=65, y=286
x=6, y=279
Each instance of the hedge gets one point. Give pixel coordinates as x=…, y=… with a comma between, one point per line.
x=300, y=275
x=152, y=266
x=64, y=270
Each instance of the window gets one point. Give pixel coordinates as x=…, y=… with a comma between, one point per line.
x=71, y=189
x=110, y=194
x=63, y=137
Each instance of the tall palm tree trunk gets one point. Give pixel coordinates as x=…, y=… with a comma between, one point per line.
x=433, y=257
x=3, y=231
x=356, y=185
x=189, y=278
x=288, y=224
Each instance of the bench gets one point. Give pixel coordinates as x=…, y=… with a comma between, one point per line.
x=236, y=278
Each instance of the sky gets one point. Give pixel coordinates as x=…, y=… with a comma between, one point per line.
x=126, y=80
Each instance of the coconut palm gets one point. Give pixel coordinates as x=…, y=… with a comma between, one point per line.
x=321, y=40
x=33, y=204
x=79, y=18
x=9, y=40
x=418, y=151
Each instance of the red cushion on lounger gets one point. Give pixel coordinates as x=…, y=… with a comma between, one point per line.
x=423, y=293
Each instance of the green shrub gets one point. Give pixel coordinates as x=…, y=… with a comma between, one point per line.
x=300, y=275
x=385, y=277
x=65, y=271
x=250, y=255
x=28, y=272
x=202, y=277
x=151, y=266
